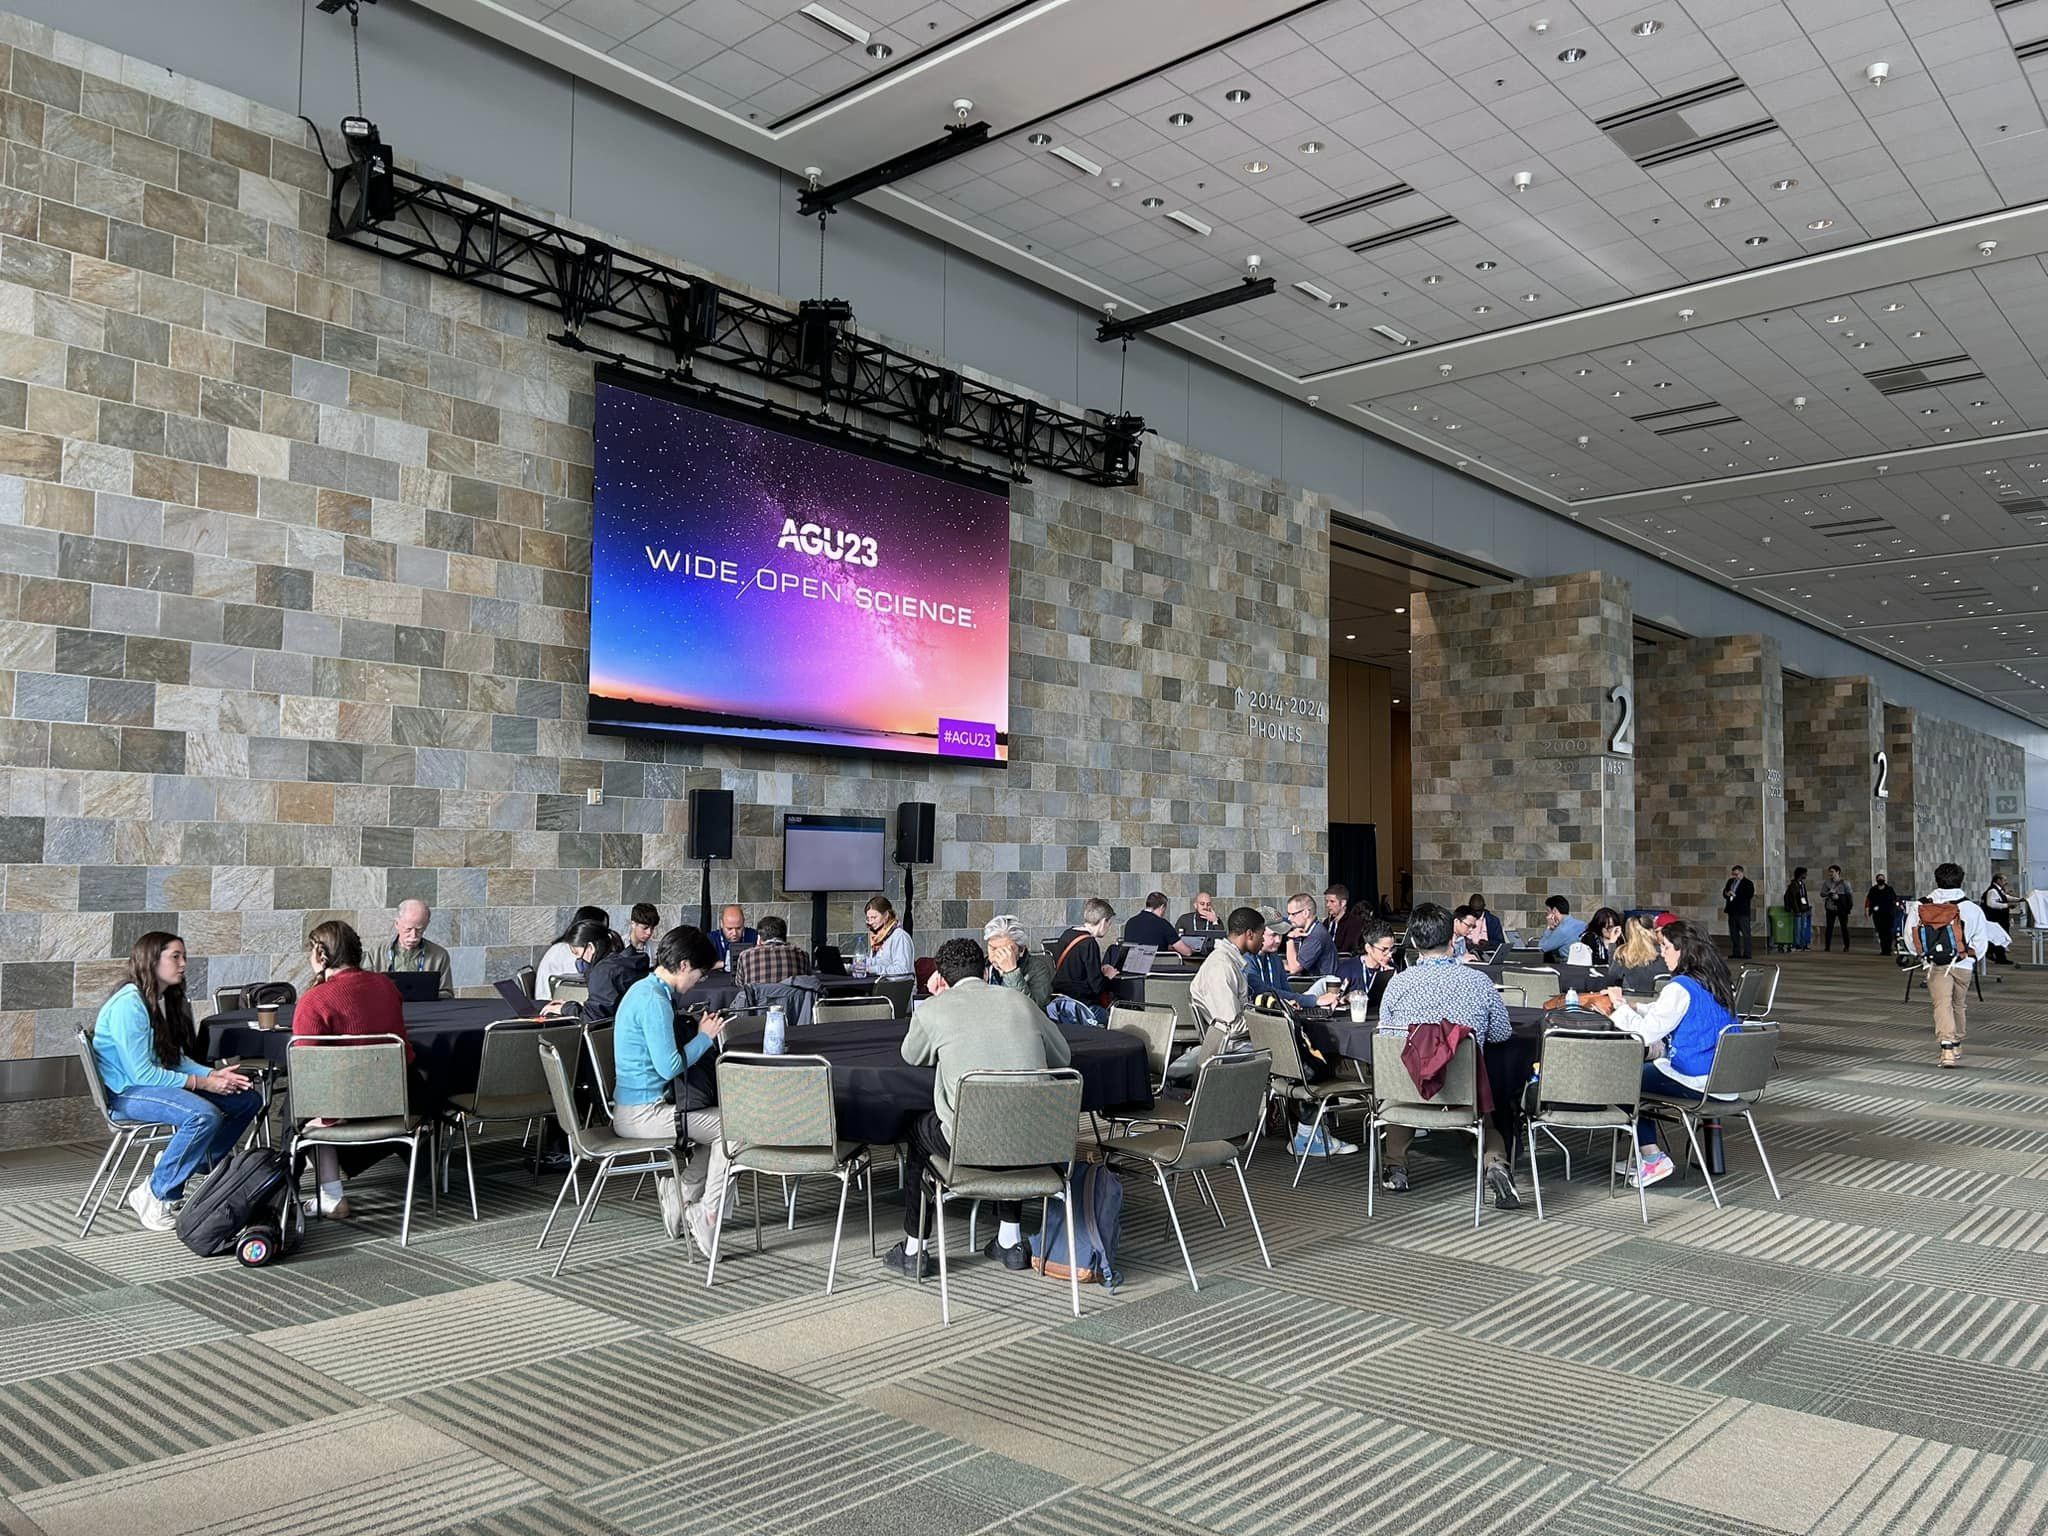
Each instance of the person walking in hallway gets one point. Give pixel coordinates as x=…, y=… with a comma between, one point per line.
x=1998, y=912
x=1738, y=896
x=1947, y=931
x=1882, y=903
x=1800, y=905
x=1837, y=901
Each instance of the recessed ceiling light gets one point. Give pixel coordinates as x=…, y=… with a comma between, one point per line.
x=1340, y=303
x=1584, y=371
x=1189, y=221
x=1400, y=610
x=1628, y=362
x=1571, y=55
x=1311, y=146
x=1915, y=336
x=1821, y=224
x=1977, y=404
x=1927, y=410
x=1893, y=308
x=1647, y=28
x=1484, y=266
x=1482, y=309
x=1758, y=240
x=1615, y=394
x=1998, y=421
x=1152, y=202
x=1351, y=637
x=1181, y=119
x=1039, y=139
x=1836, y=319
x=1784, y=184
x=1531, y=298
x=880, y=51
x=1257, y=167
x=1717, y=202
x=1237, y=97
x=1432, y=280
x=832, y=21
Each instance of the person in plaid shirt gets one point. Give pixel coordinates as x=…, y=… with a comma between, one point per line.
x=772, y=960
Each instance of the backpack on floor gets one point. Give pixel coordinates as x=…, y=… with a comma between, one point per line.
x=1099, y=1202
x=247, y=1207
x=1937, y=937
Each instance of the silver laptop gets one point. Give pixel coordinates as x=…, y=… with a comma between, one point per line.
x=1138, y=959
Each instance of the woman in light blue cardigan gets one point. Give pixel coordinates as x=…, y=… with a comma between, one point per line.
x=141, y=1041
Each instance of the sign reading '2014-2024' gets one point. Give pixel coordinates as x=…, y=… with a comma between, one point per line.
x=1289, y=707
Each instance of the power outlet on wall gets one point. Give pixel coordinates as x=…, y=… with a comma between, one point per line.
x=593, y=796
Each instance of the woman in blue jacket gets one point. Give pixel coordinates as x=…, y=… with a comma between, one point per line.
x=1689, y=1013
x=142, y=1041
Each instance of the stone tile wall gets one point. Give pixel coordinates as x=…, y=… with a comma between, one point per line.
x=294, y=553
x=1834, y=728
x=1902, y=864
x=1516, y=793
x=1956, y=771
x=1710, y=751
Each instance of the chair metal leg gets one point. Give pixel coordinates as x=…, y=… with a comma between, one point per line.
x=867, y=1183
x=116, y=1139
x=838, y=1226
x=412, y=1178
x=756, y=1178
x=1372, y=1159
x=1246, y=1190
x=711, y=1265
x=566, y=1183
x=1535, y=1178
x=583, y=1211
x=789, y=1193
x=939, y=1226
x=1635, y=1157
x=1756, y=1136
x=1173, y=1216
x=1073, y=1253
x=1479, y=1175
x=973, y=1225
x=1314, y=1126
x=1209, y=1194
x=465, y=1125
x=1700, y=1157
x=433, y=1185
x=141, y=1152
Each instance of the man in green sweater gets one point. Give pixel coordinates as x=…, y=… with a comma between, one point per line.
x=968, y=1026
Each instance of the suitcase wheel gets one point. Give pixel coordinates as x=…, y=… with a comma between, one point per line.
x=257, y=1246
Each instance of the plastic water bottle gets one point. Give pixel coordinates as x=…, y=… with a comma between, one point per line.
x=1571, y=997
x=860, y=966
x=772, y=1037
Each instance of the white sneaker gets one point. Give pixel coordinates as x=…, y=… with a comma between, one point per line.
x=153, y=1213
x=702, y=1220
x=671, y=1195
x=1655, y=1170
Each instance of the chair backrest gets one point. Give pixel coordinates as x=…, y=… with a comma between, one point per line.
x=269, y=994
x=1520, y=998
x=528, y=977
x=1590, y=1067
x=1172, y=992
x=563, y=1091
x=898, y=990
x=1273, y=1036
x=775, y=1101
x=1016, y=1119
x=1537, y=981
x=347, y=1077
x=1756, y=989
x=851, y=1009
x=1393, y=1083
x=1152, y=1023
x=227, y=999
x=597, y=1044
x=1743, y=1059
x=94, y=1084
x=563, y=990
x=1230, y=1097
x=510, y=1066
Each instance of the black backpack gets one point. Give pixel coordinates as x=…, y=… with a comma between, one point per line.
x=247, y=1207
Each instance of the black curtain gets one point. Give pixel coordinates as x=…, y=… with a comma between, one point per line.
x=1355, y=860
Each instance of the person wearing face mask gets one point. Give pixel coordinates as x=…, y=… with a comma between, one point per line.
x=887, y=948
x=609, y=969
x=346, y=999
x=142, y=1043
x=558, y=962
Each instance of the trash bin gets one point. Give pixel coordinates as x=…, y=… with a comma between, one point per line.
x=1781, y=928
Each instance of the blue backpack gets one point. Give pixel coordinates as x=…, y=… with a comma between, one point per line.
x=1099, y=1202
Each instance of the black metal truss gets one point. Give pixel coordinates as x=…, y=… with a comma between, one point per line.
x=443, y=229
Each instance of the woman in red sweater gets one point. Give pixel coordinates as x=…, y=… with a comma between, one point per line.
x=345, y=999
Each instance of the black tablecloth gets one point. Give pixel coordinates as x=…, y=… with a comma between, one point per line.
x=1336, y=1032
x=878, y=1095
x=447, y=1039
x=1131, y=989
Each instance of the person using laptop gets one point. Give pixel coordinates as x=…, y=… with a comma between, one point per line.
x=1150, y=926
x=1203, y=919
x=772, y=961
x=1078, y=971
x=642, y=926
x=887, y=949
x=732, y=934
x=410, y=950
x=346, y=998
x=610, y=971
x=1468, y=936
x=1379, y=960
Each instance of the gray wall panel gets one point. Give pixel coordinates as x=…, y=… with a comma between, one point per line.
x=718, y=209
x=1324, y=454
x=250, y=47
x=1011, y=329
x=894, y=269
x=448, y=98
x=1150, y=380
x=1234, y=418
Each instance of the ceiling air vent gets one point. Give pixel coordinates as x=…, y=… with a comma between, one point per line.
x=2038, y=48
x=1408, y=232
x=2027, y=506
x=1657, y=132
x=1960, y=369
x=1854, y=528
x=1676, y=419
x=1358, y=204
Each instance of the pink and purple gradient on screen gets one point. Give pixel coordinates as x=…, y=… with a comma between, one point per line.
x=704, y=624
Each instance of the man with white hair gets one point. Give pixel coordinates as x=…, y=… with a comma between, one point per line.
x=410, y=949
x=1015, y=962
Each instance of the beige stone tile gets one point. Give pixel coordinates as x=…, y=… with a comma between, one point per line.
x=1771, y=1466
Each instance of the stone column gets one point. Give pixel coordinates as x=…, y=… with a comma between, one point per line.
x=1834, y=729
x=1517, y=792
x=1710, y=758
x=1901, y=848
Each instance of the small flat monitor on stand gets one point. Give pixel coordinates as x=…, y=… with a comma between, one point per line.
x=827, y=854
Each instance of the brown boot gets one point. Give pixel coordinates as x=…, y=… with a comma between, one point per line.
x=1951, y=1053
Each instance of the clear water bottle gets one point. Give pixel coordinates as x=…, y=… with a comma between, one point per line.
x=1571, y=997
x=860, y=965
x=778, y=1026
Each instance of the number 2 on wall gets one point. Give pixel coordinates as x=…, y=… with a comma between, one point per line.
x=1623, y=742
x=1882, y=789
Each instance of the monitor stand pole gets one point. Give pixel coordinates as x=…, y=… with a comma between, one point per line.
x=909, y=897
x=704, y=901
x=817, y=921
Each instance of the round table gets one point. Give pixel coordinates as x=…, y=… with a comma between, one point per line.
x=1335, y=1031
x=447, y=1038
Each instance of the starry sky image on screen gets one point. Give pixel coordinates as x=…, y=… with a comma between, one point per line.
x=725, y=632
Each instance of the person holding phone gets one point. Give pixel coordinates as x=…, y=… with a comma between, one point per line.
x=142, y=1042
x=666, y=1090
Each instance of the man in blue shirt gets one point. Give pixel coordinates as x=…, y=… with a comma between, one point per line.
x=1310, y=949
x=732, y=934
x=1560, y=929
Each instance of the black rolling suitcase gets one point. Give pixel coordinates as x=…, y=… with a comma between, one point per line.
x=247, y=1207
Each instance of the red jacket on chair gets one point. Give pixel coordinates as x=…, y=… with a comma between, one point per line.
x=1428, y=1055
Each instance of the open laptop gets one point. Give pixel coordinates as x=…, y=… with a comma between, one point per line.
x=1198, y=944
x=516, y=998
x=1138, y=958
x=417, y=986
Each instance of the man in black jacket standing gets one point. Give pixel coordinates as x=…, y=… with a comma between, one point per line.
x=1737, y=896
x=1882, y=903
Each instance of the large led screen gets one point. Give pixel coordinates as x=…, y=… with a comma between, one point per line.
x=755, y=583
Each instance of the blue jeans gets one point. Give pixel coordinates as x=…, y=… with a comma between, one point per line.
x=208, y=1126
x=1656, y=1080
x=1802, y=936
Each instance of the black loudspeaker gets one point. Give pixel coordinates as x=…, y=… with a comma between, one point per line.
x=914, y=832
x=710, y=823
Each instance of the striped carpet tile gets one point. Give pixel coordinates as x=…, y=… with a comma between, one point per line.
x=2024, y=1194
x=1418, y=1285
x=1927, y=1216
x=1617, y=1330
x=30, y=1275
x=663, y=1286
x=811, y=1472
x=1576, y=1416
x=1513, y=1240
x=101, y=1418
x=1969, y=1267
x=1796, y=1240
x=63, y=1335
x=452, y=1487
x=314, y=1286
x=444, y=1338
x=504, y=1249
x=1837, y=1102
x=1996, y=1227
x=1308, y=1466
x=1900, y=1178
x=1917, y=1485
x=1956, y=1133
x=1092, y=1512
x=571, y=1421
x=1994, y=1330
x=549, y=1515
x=1603, y=1511
x=1662, y=1270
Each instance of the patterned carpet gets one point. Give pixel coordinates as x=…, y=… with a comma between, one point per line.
x=1866, y=1356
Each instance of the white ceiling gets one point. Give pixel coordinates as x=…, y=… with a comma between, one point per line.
x=1830, y=234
